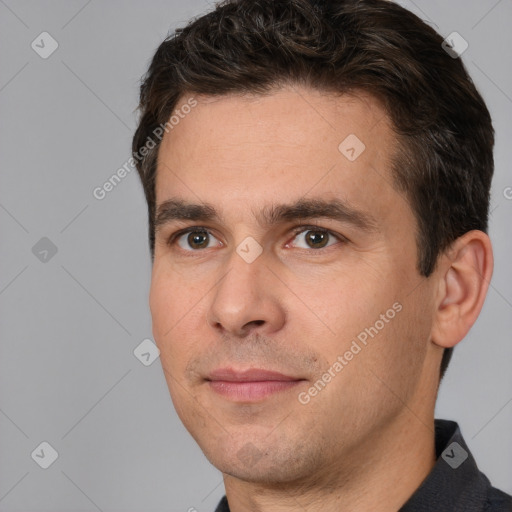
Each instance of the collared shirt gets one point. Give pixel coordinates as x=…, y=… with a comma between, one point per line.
x=455, y=483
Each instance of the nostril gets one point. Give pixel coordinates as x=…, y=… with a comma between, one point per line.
x=254, y=322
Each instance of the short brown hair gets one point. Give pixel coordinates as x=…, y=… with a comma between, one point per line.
x=444, y=161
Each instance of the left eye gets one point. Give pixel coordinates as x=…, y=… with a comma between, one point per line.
x=315, y=238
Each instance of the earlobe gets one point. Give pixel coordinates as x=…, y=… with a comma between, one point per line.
x=465, y=271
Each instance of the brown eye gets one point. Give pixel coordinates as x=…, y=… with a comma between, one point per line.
x=317, y=239
x=195, y=239
x=314, y=239
x=198, y=239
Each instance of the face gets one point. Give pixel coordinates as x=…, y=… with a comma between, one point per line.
x=282, y=246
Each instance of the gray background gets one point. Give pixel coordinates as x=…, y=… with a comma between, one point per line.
x=70, y=324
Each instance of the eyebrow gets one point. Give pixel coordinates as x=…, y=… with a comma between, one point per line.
x=335, y=209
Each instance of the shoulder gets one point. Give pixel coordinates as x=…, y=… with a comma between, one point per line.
x=498, y=501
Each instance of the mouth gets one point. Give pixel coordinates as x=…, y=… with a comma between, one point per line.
x=250, y=385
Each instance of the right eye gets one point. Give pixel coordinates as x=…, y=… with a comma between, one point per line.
x=194, y=239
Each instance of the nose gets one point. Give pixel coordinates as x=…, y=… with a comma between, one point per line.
x=246, y=299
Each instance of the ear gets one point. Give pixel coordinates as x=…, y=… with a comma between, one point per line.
x=465, y=271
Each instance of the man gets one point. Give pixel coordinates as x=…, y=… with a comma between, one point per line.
x=317, y=177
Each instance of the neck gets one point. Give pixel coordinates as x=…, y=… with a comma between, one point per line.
x=380, y=475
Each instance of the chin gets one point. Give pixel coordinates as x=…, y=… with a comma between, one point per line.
x=269, y=466
x=261, y=473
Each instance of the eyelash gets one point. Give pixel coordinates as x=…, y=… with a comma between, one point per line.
x=296, y=231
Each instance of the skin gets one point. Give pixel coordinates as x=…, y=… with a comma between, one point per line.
x=366, y=440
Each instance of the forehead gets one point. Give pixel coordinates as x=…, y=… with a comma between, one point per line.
x=291, y=116
x=246, y=150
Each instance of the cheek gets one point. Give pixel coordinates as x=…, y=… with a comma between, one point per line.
x=174, y=308
x=162, y=305
x=365, y=315
x=349, y=303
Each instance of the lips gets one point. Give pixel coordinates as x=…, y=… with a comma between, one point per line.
x=250, y=375
x=250, y=385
